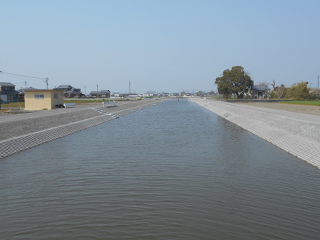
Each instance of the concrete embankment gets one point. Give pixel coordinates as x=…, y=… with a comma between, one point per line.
x=296, y=133
x=24, y=131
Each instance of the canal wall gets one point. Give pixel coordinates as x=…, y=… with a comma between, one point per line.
x=26, y=135
x=295, y=133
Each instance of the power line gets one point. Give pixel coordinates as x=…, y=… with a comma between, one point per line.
x=22, y=75
x=44, y=79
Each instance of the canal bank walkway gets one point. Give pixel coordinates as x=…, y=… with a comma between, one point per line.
x=296, y=133
x=19, y=132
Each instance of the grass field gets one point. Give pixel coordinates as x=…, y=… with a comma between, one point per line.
x=12, y=105
x=312, y=103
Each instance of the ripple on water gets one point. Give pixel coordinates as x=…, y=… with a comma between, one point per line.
x=171, y=171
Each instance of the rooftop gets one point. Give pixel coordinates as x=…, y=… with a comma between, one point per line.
x=6, y=84
x=260, y=87
x=35, y=89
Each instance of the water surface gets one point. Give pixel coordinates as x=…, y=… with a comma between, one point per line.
x=171, y=171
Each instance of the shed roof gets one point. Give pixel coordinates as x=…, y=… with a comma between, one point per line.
x=42, y=90
x=8, y=84
x=28, y=88
x=64, y=86
x=260, y=87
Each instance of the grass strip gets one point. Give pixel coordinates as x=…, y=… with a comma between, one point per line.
x=13, y=105
x=311, y=103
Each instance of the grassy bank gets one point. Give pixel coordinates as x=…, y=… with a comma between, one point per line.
x=312, y=103
x=12, y=105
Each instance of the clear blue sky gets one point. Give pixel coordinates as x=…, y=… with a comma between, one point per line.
x=158, y=45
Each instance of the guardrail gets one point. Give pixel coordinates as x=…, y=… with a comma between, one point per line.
x=69, y=105
x=109, y=103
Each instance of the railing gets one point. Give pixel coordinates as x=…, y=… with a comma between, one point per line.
x=109, y=103
x=69, y=105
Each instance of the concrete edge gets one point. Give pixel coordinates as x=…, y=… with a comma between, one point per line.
x=14, y=145
x=302, y=147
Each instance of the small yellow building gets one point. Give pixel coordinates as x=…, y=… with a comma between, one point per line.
x=40, y=99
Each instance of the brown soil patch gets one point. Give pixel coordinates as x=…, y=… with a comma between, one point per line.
x=4, y=110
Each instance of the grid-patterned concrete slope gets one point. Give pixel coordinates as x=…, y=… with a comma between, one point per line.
x=296, y=133
x=17, y=144
x=37, y=129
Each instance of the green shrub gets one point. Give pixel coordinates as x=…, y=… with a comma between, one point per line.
x=299, y=91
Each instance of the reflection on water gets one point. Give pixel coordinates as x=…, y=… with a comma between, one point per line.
x=171, y=171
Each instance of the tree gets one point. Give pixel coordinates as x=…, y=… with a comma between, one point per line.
x=298, y=91
x=278, y=92
x=235, y=82
x=273, y=84
x=199, y=93
x=183, y=93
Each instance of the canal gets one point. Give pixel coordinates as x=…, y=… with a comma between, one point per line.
x=170, y=171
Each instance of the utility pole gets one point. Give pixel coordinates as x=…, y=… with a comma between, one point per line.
x=25, y=84
x=46, y=81
x=97, y=91
x=129, y=88
x=318, y=87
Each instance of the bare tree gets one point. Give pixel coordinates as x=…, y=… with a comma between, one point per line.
x=273, y=84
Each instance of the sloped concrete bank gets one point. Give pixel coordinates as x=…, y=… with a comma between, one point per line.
x=47, y=130
x=296, y=133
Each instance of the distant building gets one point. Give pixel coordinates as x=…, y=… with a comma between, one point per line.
x=100, y=94
x=39, y=99
x=259, y=91
x=22, y=93
x=94, y=94
x=163, y=94
x=105, y=93
x=146, y=95
x=64, y=87
x=116, y=94
x=8, y=92
x=69, y=91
